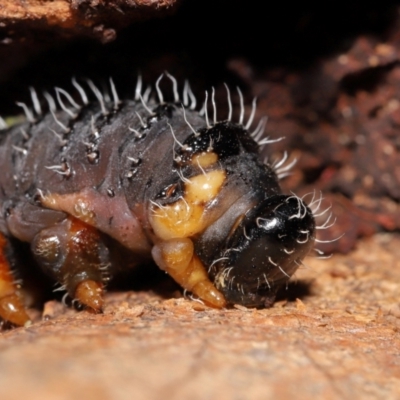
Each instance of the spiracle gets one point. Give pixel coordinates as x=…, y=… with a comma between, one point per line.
x=96, y=187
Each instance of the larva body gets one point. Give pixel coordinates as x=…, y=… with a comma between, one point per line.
x=100, y=188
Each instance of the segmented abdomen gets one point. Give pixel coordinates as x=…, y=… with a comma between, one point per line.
x=127, y=149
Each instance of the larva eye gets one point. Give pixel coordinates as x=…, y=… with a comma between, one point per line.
x=170, y=193
x=171, y=190
x=264, y=250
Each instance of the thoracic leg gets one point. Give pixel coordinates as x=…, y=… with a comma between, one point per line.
x=176, y=256
x=75, y=255
x=11, y=305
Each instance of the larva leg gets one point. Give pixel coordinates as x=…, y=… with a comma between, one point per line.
x=75, y=255
x=177, y=258
x=11, y=305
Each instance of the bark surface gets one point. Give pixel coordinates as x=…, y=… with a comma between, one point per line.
x=333, y=333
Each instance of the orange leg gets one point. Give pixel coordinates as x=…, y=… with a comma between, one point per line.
x=11, y=305
x=176, y=256
x=75, y=255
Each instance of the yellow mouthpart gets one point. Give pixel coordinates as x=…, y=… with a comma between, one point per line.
x=187, y=216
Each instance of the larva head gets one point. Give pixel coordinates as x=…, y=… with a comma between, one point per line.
x=265, y=248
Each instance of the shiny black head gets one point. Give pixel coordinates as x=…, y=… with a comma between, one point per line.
x=264, y=250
